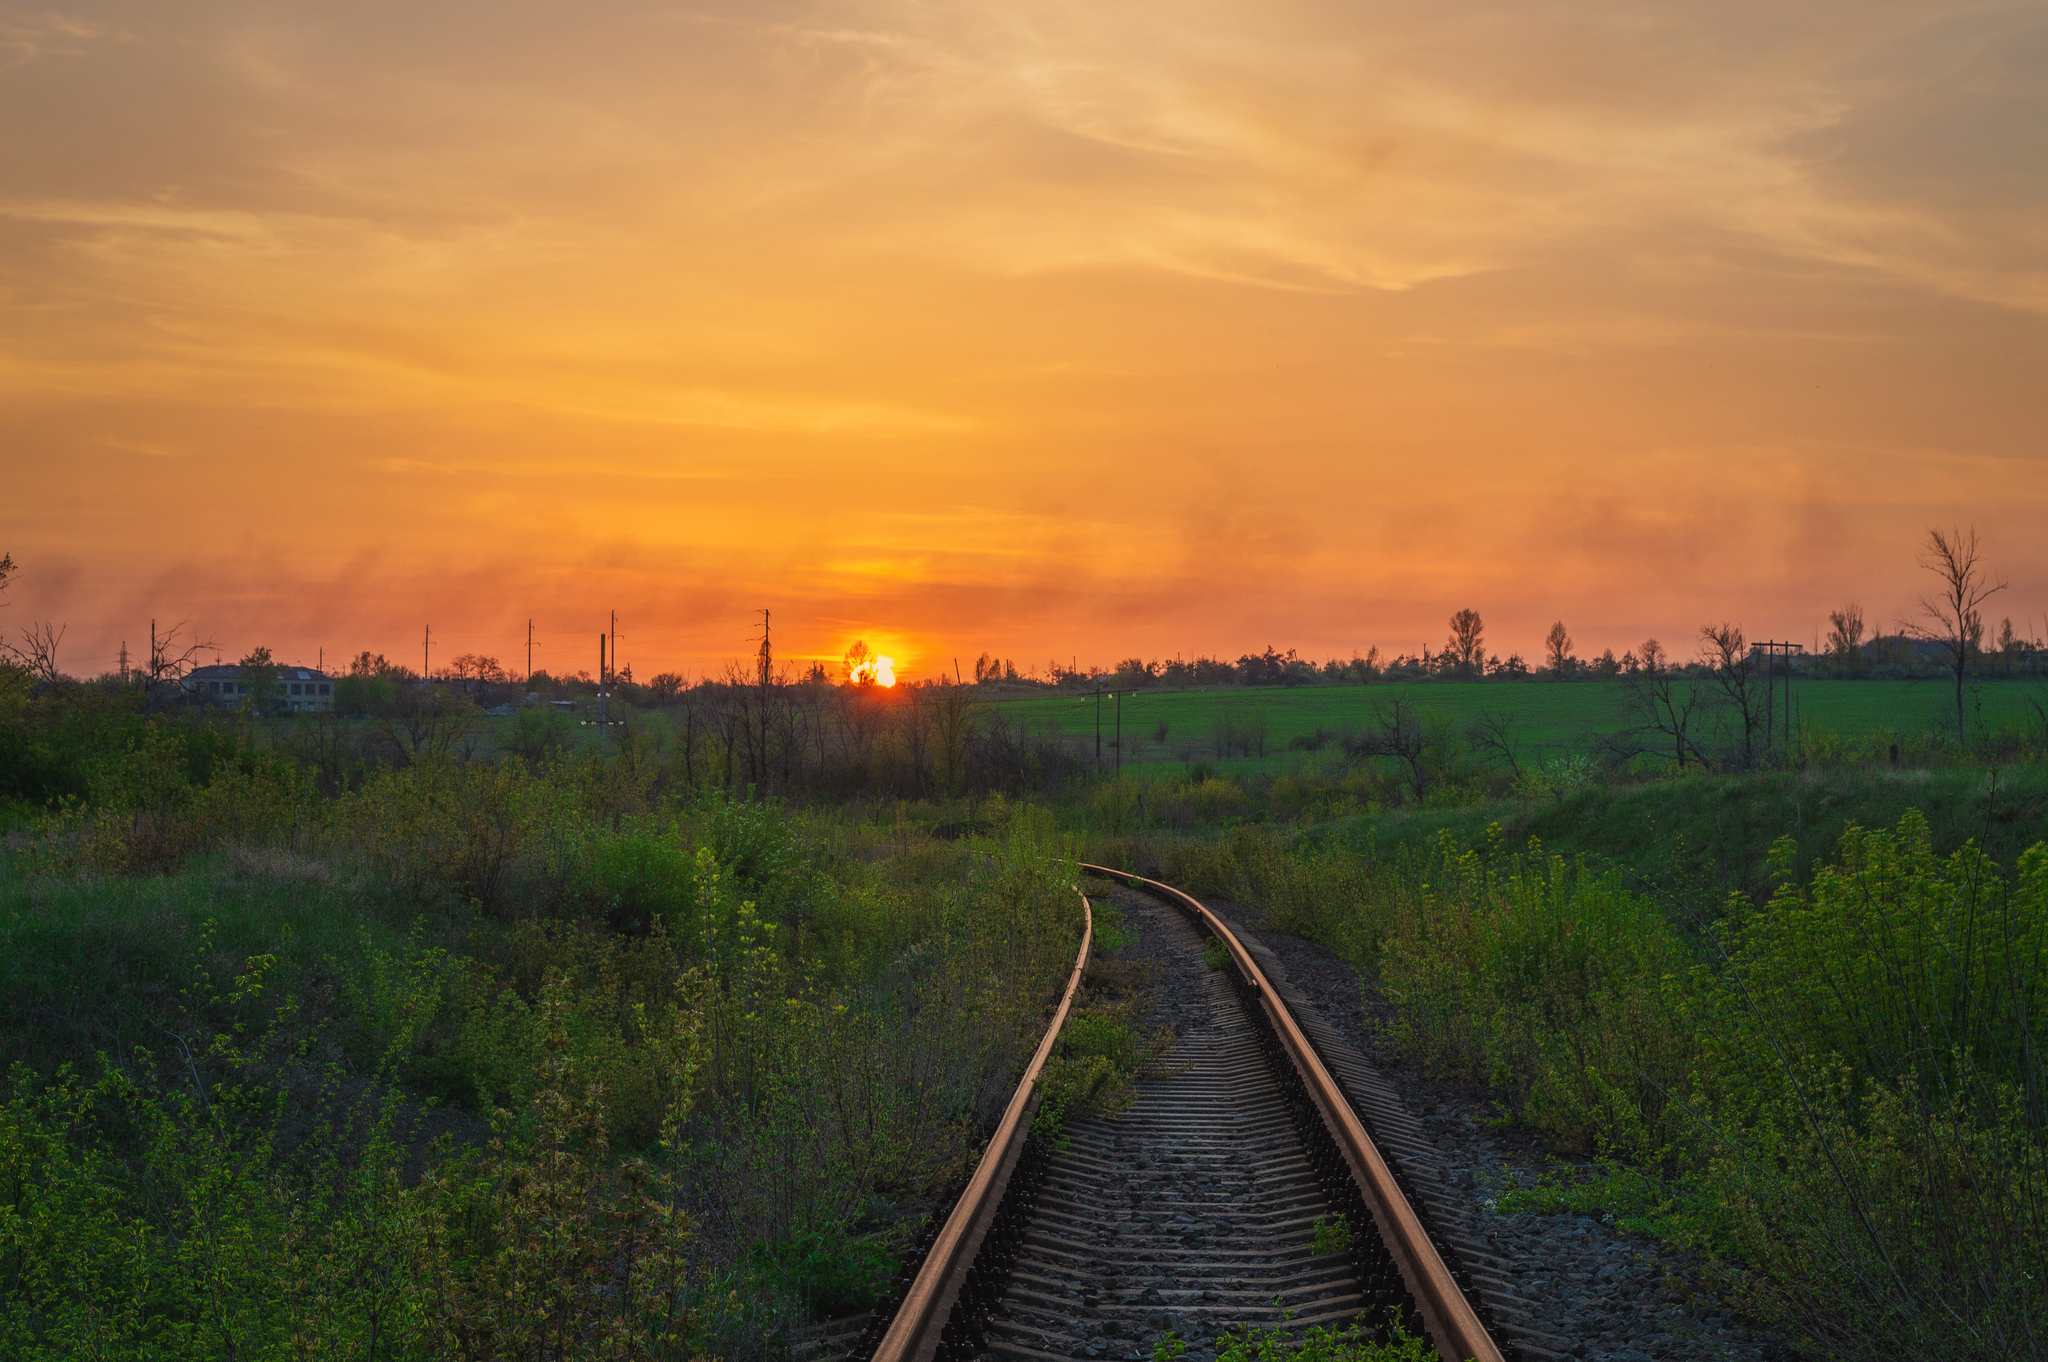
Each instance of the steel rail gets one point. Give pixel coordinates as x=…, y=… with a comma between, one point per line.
x=1453, y=1325
x=920, y=1321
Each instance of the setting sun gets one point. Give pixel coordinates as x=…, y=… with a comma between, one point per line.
x=879, y=670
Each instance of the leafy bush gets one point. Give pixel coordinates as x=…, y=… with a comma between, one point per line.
x=1840, y=1088
x=830, y=1274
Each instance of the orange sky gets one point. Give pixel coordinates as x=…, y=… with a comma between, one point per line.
x=1051, y=329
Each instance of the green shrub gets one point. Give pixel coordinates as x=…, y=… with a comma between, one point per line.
x=830, y=1275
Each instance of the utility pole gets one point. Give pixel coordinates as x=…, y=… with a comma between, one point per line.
x=603, y=717
x=426, y=652
x=1098, y=695
x=1772, y=651
x=529, y=652
x=124, y=661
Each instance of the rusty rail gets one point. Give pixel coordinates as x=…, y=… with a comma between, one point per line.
x=915, y=1333
x=1452, y=1323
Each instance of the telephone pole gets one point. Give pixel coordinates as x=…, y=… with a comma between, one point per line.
x=529, y=652
x=426, y=651
x=1098, y=695
x=1772, y=651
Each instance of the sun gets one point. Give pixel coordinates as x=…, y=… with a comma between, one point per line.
x=879, y=670
x=868, y=668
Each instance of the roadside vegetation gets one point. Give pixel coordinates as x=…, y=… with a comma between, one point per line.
x=479, y=1057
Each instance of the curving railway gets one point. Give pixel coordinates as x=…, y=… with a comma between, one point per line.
x=1195, y=1210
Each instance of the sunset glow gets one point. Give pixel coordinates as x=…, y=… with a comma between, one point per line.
x=1056, y=330
x=879, y=671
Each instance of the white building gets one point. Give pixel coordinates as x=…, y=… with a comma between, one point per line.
x=297, y=688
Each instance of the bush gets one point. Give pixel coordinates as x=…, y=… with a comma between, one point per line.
x=1839, y=1089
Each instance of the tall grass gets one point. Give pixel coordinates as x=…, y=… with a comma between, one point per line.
x=724, y=1041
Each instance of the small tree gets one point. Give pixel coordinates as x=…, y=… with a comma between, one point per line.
x=1557, y=645
x=257, y=678
x=1495, y=733
x=7, y=570
x=172, y=654
x=37, y=651
x=1736, y=675
x=1662, y=703
x=1468, y=643
x=1953, y=617
x=1845, y=629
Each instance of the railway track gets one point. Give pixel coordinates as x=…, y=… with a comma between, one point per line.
x=1195, y=1210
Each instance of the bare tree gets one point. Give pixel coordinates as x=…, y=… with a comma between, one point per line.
x=1845, y=630
x=1739, y=680
x=172, y=654
x=37, y=651
x=1954, y=617
x=7, y=570
x=1468, y=643
x=424, y=723
x=1557, y=644
x=1663, y=703
x=1495, y=733
x=1402, y=736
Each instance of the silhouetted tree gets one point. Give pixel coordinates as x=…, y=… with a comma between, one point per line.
x=1557, y=645
x=1845, y=629
x=1467, y=643
x=1661, y=702
x=172, y=654
x=1736, y=674
x=1954, y=618
x=37, y=651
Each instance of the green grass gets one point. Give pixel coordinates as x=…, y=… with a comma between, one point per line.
x=88, y=964
x=1551, y=720
x=1710, y=834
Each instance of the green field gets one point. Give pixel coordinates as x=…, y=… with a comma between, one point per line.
x=1550, y=720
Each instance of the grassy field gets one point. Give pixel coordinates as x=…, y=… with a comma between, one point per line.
x=1550, y=720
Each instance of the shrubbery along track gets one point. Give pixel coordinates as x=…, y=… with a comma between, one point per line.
x=1195, y=1210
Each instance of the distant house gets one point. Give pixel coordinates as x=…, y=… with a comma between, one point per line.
x=1902, y=650
x=297, y=688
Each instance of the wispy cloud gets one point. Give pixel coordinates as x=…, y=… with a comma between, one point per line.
x=1031, y=317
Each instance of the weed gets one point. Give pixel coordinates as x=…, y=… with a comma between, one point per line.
x=1332, y=1235
x=1319, y=1344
